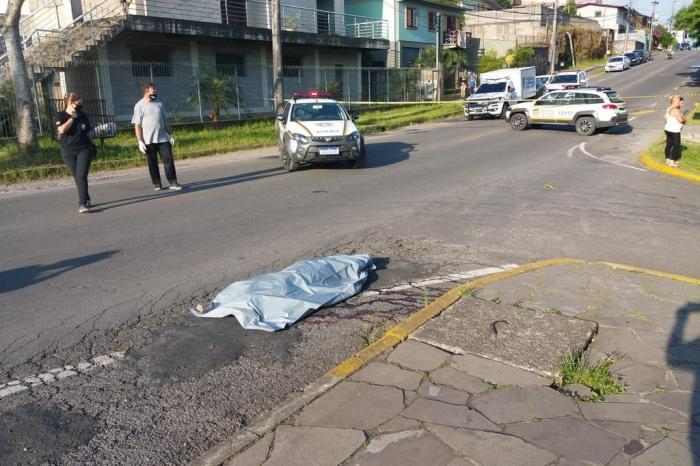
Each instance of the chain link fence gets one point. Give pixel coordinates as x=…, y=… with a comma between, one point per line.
x=199, y=95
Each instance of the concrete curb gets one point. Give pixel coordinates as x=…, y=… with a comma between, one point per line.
x=652, y=164
x=227, y=449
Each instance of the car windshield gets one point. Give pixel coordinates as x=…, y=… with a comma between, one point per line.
x=631, y=55
x=491, y=87
x=613, y=59
x=314, y=111
x=614, y=97
x=564, y=78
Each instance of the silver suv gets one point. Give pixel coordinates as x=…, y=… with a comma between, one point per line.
x=588, y=110
x=567, y=80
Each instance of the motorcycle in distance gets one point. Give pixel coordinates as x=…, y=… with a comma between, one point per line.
x=669, y=54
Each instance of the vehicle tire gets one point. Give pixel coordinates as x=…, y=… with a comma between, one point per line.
x=585, y=126
x=518, y=121
x=469, y=118
x=288, y=162
x=504, y=110
x=358, y=162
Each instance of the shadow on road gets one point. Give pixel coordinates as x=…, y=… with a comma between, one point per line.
x=692, y=77
x=16, y=279
x=192, y=187
x=684, y=357
x=381, y=154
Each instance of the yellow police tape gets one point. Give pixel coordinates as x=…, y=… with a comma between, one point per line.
x=452, y=102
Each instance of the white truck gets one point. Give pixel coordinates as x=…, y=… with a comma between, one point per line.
x=499, y=90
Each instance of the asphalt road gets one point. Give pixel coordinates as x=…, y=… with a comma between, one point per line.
x=434, y=198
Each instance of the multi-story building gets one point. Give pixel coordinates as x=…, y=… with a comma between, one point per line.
x=107, y=53
x=629, y=27
x=412, y=25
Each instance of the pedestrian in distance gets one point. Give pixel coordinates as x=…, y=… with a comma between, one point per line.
x=463, y=88
x=675, y=119
x=153, y=134
x=472, y=83
x=77, y=148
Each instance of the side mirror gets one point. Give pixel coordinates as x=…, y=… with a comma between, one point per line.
x=280, y=118
x=355, y=116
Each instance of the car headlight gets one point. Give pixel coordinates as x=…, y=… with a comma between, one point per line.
x=300, y=138
x=354, y=136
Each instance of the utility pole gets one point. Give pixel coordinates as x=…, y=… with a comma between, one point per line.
x=670, y=18
x=438, y=83
x=627, y=29
x=276, y=56
x=653, y=14
x=553, y=43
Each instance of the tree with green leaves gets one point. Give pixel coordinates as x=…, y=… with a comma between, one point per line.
x=688, y=19
x=219, y=90
x=570, y=7
x=505, y=3
x=521, y=56
x=490, y=61
x=9, y=29
x=666, y=39
x=451, y=59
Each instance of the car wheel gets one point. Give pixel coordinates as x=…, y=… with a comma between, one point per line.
x=469, y=118
x=358, y=162
x=518, y=121
x=585, y=126
x=504, y=111
x=289, y=163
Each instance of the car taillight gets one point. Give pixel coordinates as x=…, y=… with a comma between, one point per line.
x=610, y=106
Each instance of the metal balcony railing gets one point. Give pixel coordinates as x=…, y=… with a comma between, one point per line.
x=256, y=14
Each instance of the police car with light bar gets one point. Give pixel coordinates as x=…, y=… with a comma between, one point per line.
x=314, y=129
x=588, y=110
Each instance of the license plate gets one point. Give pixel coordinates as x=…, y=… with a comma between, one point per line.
x=329, y=151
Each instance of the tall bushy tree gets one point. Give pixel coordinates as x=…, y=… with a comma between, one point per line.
x=490, y=61
x=570, y=7
x=521, y=56
x=688, y=18
x=26, y=133
x=219, y=90
x=451, y=59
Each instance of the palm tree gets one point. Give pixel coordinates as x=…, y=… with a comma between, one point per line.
x=219, y=90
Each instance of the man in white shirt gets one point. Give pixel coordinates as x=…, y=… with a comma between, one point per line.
x=153, y=136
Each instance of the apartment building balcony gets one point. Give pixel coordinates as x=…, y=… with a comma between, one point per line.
x=251, y=20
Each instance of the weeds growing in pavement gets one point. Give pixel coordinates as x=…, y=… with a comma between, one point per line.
x=496, y=299
x=425, y=298
x=578, y=369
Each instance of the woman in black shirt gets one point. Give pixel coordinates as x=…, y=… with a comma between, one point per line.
x=77, y=147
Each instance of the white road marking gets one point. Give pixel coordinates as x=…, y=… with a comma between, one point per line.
x=570, y=152
x=654, y=104
x=59, y=373
x=632, y=118
x=583, y=149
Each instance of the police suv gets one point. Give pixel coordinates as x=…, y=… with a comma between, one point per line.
x=313, y=129
x=586, y=109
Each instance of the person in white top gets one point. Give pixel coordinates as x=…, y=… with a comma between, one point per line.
x=675, y=119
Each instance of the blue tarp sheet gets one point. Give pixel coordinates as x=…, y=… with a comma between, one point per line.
x=274, y=301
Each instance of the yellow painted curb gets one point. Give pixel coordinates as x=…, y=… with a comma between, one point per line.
x=656, y=166
x=643, y=112
x=400, y=332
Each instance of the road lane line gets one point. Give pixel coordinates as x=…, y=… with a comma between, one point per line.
x=570, y=152
x=583, y=149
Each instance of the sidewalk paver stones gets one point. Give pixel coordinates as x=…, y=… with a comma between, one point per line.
x=666, y=452
x=572, y=438
x=496, y=372
x=449, y=415
x=458, y=380
x=386, y=374
x=423, y=405
x=536, y=341
x=490, y=448
x=430, y=391
x=578, y=390
x=255, y=455
x=353, y=405
x=522, y=404
x=418, y=356
x=415, y=448
x=303, y=446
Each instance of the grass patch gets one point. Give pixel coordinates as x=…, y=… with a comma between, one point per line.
x=578, y=369
x=122, y=152
x=690, y=156
x=588, y=63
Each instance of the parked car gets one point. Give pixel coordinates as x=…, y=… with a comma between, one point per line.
x=568, y=80
x=588, y=110
x=642, y=54
x=617, y=63
x=541, y=84
x=685, y=46
x=633, y=58
x=312, y=129
x=498, y=90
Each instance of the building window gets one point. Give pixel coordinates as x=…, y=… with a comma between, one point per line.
x=291, y=67
x=621, y=29
x=150, y=63
x=432, y=16
x=598, y=13
x=233, y=65
x=411, y=18
x=451, y=23
x=409, y=55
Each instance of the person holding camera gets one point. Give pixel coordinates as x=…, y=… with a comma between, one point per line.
x=77, y=148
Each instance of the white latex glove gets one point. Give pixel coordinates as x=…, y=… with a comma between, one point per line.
x=142, y=146
x=172, y=141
